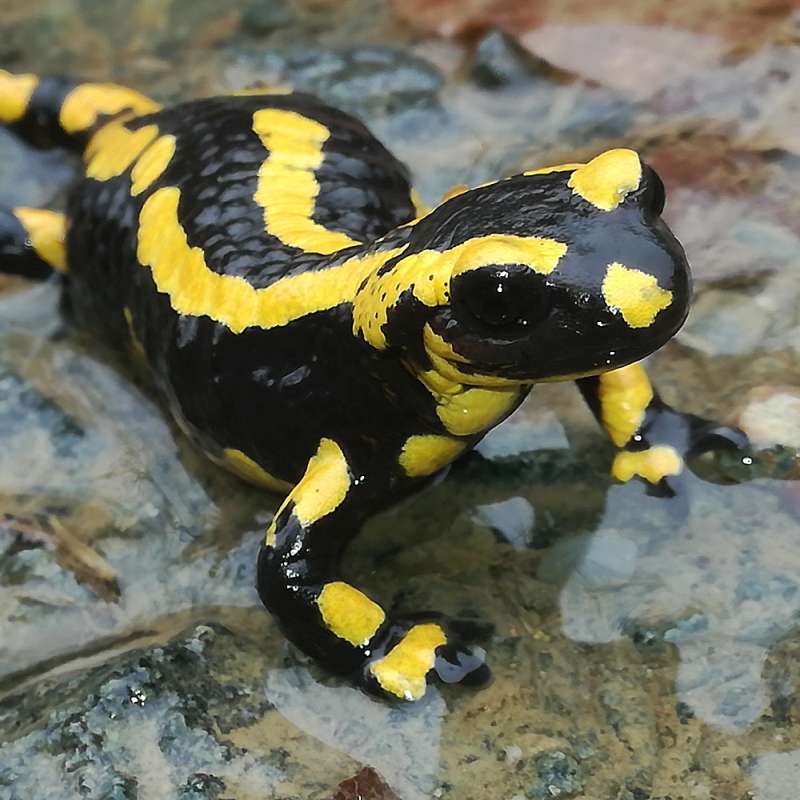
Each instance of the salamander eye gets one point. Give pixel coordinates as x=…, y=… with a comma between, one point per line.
x=509, y=296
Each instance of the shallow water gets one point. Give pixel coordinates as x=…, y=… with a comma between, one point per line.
x=638, y=653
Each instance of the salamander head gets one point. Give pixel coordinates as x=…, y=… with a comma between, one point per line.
x=547, y=275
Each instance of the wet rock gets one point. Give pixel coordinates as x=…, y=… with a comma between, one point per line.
x=557, y=775
x=264, y=16
x=501, y=61
x=146, y=724
x=363, y=80
x=513, y=520
x=726, y=323
x=30, y=177
x=771, y=415
x=609, y=560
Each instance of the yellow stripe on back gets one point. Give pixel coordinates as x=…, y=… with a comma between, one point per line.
x=181, y=272
x=15, y=95
x=287, y=184
x=151, y=164
x=114, y=148
x=87, y=101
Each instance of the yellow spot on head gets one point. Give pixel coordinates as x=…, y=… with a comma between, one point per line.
x=87, y=101
x=242, y=465
x=47, y=231
x=15, y=95
x=402, y=671
x=624, y=396
x=426, y=455
x=607, y=179
x=287, y=183
x=152, y=163
x=652, y=464
x=635, y=294
x=349, y=613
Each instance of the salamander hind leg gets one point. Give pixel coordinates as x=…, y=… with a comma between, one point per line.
x=655, y=442
x=328, y=618
x=32, y=242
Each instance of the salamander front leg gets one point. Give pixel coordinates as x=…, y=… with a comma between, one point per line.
x=331, y=620
x=655, y=441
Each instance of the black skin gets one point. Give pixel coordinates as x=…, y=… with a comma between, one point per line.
x=275, y=393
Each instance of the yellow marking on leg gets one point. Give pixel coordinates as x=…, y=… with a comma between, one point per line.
x=402, y=671
x=427, y=275
x=181, y=272
x=608, y=178
x=653, y=464
x=114, y=148
x=47, y=231
x=349, y=613
x=86, y=102
x=242, y=465
x=151, y=164
x=426, y=454
x=555, y=168
x=15, y=95
x=320, y=491
x=287, y=183
x=624, y=395
x=635, y=294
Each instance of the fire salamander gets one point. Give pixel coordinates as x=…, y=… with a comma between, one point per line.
x=316, y=333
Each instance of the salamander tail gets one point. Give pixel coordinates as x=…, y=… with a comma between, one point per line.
x=59, y=112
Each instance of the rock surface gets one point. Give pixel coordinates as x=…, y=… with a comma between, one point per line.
x=639, y=652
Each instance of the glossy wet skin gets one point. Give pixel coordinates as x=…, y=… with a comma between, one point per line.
x=259, y=254
x=514, y=321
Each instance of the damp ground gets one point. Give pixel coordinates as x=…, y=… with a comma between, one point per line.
x=641, y=649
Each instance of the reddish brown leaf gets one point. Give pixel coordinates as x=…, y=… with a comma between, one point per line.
x=366, y=785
